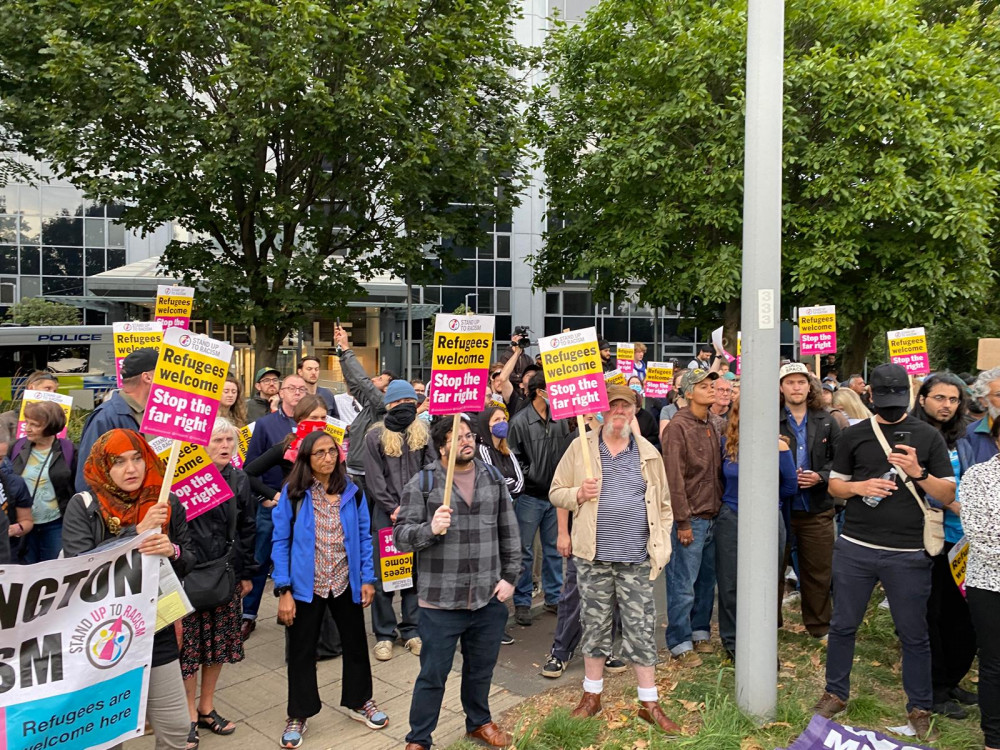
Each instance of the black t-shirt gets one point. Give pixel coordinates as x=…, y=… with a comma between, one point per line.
x=898, y=521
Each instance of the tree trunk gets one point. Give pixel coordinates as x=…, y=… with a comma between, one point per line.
x=268, y=339
x=859, y=342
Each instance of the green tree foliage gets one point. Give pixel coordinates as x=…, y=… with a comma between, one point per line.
x=890, y=156
x=36, y=311
x=304, y=142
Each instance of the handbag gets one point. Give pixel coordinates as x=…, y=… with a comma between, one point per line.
x=212, y=583
x=933, y=517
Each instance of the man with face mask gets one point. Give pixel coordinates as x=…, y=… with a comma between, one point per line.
x=395, y=450
x=538, y=442
x=882, y=540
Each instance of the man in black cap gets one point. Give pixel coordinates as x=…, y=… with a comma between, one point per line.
x=882, y=539
x=123, y=410
x=266, y=385
x=605, y=348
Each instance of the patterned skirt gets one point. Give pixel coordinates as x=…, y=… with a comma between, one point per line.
x=213, y=636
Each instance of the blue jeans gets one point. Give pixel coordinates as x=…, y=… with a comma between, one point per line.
x=906, y=579
x=43, y=542
x=691, y=587
x=480, y=632
x=538, y=515
x=262, y=553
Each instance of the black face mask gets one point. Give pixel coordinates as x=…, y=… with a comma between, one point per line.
x=890, y=413
x=400, y=417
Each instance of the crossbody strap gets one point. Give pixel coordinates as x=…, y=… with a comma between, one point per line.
x=906, y=479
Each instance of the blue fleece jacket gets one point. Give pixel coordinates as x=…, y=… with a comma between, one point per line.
x=294, y=554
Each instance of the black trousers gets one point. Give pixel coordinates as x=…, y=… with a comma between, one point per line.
x=356, y=682
x=985, y=608
x=949, y=624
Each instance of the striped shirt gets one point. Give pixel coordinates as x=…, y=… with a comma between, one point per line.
x=622, y=524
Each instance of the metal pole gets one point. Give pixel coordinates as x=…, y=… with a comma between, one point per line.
x=409, y=328
x=757, y=579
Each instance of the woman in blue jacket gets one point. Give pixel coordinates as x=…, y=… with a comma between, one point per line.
x=727, y=522
x=322, y=556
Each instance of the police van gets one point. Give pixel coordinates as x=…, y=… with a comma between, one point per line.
x=82, y=357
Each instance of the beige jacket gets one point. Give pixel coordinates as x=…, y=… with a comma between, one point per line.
x=569, y=477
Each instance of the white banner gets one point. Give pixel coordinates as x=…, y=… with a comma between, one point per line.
x=76, y=637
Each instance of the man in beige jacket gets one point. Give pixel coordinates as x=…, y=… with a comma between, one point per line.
x=621, y=542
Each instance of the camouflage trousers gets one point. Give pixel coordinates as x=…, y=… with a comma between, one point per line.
x=601, y=585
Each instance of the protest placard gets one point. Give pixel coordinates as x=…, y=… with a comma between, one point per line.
x=131, y=336
x=173, y=306
x=824, y=734
x=243, y=442
x=571, y=362
x=198, y=484
x=615, y=377
x=817, y=330
x=958, y=557
x=66, y=402
x=908, y=348
x=659, y=379
x=336, y=428
x=187, y=385
x=396, y=567
x=625, y=359
x=460, y=363
x=78, y=638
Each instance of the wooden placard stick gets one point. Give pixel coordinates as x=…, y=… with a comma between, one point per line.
x=581, y=425
x=452, y=454
x=168, y=472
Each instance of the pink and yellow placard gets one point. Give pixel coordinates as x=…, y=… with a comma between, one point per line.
x=817, y=330
x=460, y=364
x=625, y=359
x=66, y=402
x=131, y=336
x=243, y=442
x=396, y=567
x=173, y=306
x=198, y=484
x=908, y=348
x=187, y=386
x=659, y=379
x=573, y=373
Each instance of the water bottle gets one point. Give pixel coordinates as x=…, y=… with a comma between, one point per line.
x=872, y=501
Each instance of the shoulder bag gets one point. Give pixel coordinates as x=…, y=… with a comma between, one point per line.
x=212, y=583
x=933, y=517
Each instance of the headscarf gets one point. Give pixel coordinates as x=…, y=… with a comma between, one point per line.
x=118, y=507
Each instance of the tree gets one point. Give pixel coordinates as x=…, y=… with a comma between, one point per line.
x=305, y=144
x=890, y=157
x=36, y=311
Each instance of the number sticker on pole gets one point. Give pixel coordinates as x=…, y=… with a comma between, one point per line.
x=187, y=386
x=817, y=330
x=173, y=306
x=131, y=336
x=908, y=347
x=460, y=364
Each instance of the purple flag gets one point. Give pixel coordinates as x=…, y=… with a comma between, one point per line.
x=823, y=734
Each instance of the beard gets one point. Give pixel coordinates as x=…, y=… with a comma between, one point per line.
x=993, y=411
x=621, y=433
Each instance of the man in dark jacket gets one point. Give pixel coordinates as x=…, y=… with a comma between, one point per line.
x=15, y=510
x=396, y=449
x=693, y=462
x=538, y=442
x=266, y=385
x=813, y=436
x=123, y=410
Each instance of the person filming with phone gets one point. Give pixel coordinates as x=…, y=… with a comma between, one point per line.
x=884, y=468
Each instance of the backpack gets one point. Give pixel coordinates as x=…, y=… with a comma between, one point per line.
x=427, y=479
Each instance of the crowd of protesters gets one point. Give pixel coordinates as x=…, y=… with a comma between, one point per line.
x=588, y=522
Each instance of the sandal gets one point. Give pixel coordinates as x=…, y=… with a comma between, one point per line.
x=218, y=725
x=193, y=739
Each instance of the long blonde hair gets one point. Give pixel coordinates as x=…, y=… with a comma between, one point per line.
x=417, y=436
x=733, y=432
x=850, y=403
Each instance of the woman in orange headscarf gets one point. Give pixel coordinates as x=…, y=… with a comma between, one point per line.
x=125, y=476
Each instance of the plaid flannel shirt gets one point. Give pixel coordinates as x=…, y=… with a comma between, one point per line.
x=460, y=569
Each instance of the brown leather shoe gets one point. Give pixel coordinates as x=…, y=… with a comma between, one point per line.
x=829, y=705
x=652, y=712
x=492, y=735
x=589, y=705
x=415, y=746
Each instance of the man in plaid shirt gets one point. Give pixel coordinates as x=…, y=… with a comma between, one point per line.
x=468, y=557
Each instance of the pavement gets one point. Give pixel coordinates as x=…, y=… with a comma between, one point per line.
x=253, y=693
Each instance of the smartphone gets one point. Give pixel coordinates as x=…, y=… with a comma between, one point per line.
x=900, y=438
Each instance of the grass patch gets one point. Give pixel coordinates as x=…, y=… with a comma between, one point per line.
x=701, y=701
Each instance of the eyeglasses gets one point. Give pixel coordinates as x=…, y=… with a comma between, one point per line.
x=293, y=389
x=324, y=454
x=269, y=381
x=953, y=400
x=467, y=438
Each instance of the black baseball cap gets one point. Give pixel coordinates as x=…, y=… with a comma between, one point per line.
x=139, y=361
x=890, y=385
